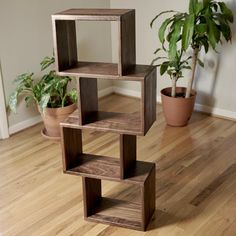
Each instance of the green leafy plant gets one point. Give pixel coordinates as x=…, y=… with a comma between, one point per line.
x=173, y=67
x=49, y=91
x=206, y=24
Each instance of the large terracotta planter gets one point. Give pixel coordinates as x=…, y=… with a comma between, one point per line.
x=52, y=117
x=178, y=110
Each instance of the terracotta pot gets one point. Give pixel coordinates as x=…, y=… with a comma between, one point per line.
x=178, y=110
x=52, y=117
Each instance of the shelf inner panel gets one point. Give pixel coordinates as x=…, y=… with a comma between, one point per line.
x=126, y=123
x=107, y=71
x=108, y=168
x=118, y=212
x=95, y=69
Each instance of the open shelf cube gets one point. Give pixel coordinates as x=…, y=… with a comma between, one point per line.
x=65, y=41
x=119, y=212
x=88, y=115
x=125, y=168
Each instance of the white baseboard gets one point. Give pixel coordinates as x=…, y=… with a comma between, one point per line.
x=126, y=92
x=105, y=92
x=216, y=111
x=231, y=115
x=25, y=124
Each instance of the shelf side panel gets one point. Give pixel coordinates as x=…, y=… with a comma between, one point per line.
x=127, y=54
x=71, y=147
x=127, y=154
x=87, y=100
x=65, y=47
x=92, y=194
x=149, y=97
x=149, y=198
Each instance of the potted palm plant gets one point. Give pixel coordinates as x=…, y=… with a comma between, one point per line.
x=206, y=24
x=51, y=95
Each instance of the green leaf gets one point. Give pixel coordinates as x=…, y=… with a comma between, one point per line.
x=213, y=33
x=161, y=32
x=73, y=95
x=164, y=12
x=199, y=8
x=201, y=29
x=13, y=101
x=200, y=62
x=205, y=43
x=164, y=67
x=177, y=26
x=24, y=77
x=156, y=59
x=227, y=12
x=188, y=31
x=44, y=101
x=29, y=100
x=157, y=50
x=192, y=6
x=187, y=67
x=206, y=3
x=46, y=62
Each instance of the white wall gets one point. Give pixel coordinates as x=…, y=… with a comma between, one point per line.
x=216, y=82
x=26, y=37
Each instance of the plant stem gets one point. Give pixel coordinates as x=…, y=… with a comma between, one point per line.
x=194, y=65
x=173, y=89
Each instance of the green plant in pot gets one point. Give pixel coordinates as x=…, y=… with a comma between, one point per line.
x=205, y=25
x=55, y=102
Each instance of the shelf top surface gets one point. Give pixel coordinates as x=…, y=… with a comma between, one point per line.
x=107, y=71
x=93, y=13
x=122, y=123
x=108, y=168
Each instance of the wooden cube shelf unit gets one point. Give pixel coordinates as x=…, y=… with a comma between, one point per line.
x=120, y=212
x=76, y=162
x=126, y=169
x=65, y=42
x=95, y=168
x=138, y=123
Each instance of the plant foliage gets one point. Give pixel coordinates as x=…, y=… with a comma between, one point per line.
x=50, y=91
x=206, y=24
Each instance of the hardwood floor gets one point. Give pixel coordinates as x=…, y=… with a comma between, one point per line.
x=195, y=180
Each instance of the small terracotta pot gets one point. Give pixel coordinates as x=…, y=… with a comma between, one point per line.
x=52, y=117
x=178, y=110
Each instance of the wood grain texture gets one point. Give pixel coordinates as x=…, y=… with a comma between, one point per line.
x=92, y=14
x=128, y=154
x=108, y=168
x=65, y=46
x=127, y=48
x=148, y=201
x=149, y=94
x=92, y=193
x=118, y=213
x=71, y=146
x=87, y=100
x=102, y=70
x=36, y=198
x=121, y=123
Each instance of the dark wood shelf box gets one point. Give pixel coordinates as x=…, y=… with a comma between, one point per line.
x=65, y=42
x=89, y=117
x=134, y=215
x=125, y=168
